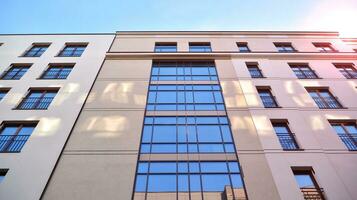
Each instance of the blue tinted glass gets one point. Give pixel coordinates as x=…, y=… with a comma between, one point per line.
x=166, y=97
x=220, y=107
x=223, y=120
x=229, y=148
x=214, y=183
x=181, y=97
x=195, y=183
x=149, y=120
x=165, y=120
x=207, y=120
x=212, y=71
x=236, y=181
x=202, y=87
x=304, y=180
x=189, y=97
x=218, y=97
x=153, y=87
x=166, y=107
x=182, y=148
x=209, y=167
x=191, y=120
x=154, y=78
x=203, y=97
x=182, y=183
x=205, y=107
x=162, y=167
x=191, y=134
x=163, y=148
x=226, y=133
x=181, y=120
x=233, y=167
x=9, y=130
x=181, y=134
x=211, y=148
x=182, y=167
x=192, y=148
x=162, y=183
x=140, y=185
x=145, y=148
x=152, y=97
x=166, y=87
x=155, y=71
x=209, y=133
x=164, y=134
x=200, y=71
x=167, y=71
x=194, y=167
x=147, y=132
x=143, y=167
x=150, y=107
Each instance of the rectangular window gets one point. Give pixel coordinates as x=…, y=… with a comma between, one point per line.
x=284, y=47
x=163, y=47
x=200, y=47
x=286, y=137
x=185, y=97
x=267, y=97
x=2, y=174
x=15, y=72
x=347, y=132
x=183, y=71
x=3, y=92
x=347, y=70
x=243, y=47
x=186, y=176
x=57, y=71
x=186, y=134
x=36, y=50
x=13, y=135
x=303, y=71
x=307, y=184
x=323, y=98
x=324, y=47
x=254, y=70
x=73, y=50
x=38, y=99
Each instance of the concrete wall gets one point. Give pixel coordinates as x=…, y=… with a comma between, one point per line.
x=30, y=169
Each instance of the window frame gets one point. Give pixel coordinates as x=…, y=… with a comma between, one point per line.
x=206, y=46
x=251, y=65
x=34, y=45
x=292, y=136
x=311, y=173
x=343, y=66
x=269, y=91
x=318, y=91
x=4, y=90
x=321, y=47
x=343, y=124
x=243, y=44
x=43, y=92
x=57, y=65
x=71, y=45
x=26, y=66
x=303, y=65
x=284, y=46
x=163, y=44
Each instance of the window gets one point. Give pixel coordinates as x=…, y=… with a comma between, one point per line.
x=57, y=72
x=187, y=176
x=36, y=50
x=324, y=47
x=37, y=99
x=3, y=92
x=243, y=47
x=73, y=50
x=210, y=134
x=13, y=136
x=347, y=132
x=183, y=71
x=303, y=71
x=267, y=97
x=3, y=174
x=284, y=47
x=323, y=98
x=166, y=47
x=307, y=184
x=185, y=97
x=347, y=70
x=15, y=72
x=200, y=47
x=286, y=137
x=254, y=70
x=355, y=50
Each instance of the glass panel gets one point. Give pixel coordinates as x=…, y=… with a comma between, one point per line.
x=164, y=134
x=143, y=167
x=182, y=183
x=215, y=183
x=304, y=181
x=140, y=185
x=195, y=183
x=236, y=181
x=209, y=167
x=162, y=183
x=162, y=167
x=233, y=167
x=209, y=134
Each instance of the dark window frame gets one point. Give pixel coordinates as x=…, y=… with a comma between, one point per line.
x=206, y=46
x=325, y=104
x=287, y=140
x=59, y=74
x=265, y=100
x=22, y=67
x=74, y=53
x=38, y=104
x=285, y=47
x=342, y=67
x=39, y=52
x=349, y=139
x=310, y=74
x=324, y=47
x=255, y=66
x=4, y=90
x=165, y=44
x=245, y=46
x=316, y=193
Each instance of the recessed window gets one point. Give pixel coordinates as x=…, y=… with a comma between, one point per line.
x=303, y=71
x=286, y=137
x=347, y=132
x=324, y=47
x=36, y=50
x=163, y=47
x=307, y=184
x=200, y=47
x=57, y=71
x=267, y=97
x=2, y=174
x=348, y=70
x=38, y=99
x=73, y=50
x=13, y=135
x=15, y=72
x=323, y=98
x=355, y=50
x=284, y=47
x=254, y=70
x=3, y=92
x=243, y=47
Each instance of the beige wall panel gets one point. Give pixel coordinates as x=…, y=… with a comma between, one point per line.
x=118, y=94
x=107, y=130
x=93, y=177
x=126, y=69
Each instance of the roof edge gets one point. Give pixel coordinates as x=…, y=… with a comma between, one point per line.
x=15, y=34
x=300, y=33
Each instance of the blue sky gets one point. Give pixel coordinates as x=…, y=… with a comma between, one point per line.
x=78, y=16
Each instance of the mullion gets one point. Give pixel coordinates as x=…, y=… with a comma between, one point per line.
x=343, y=125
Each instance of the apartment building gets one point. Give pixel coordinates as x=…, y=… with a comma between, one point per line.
x=44, y=81
x=194, y=115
